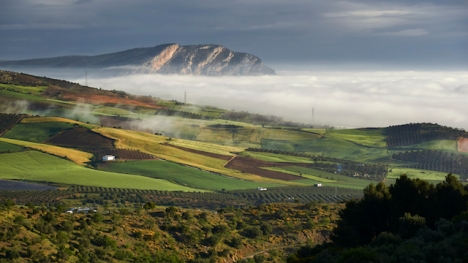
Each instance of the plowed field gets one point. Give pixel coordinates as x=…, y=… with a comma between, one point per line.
x=81, y=137
x=250, y=165
x=462, y=145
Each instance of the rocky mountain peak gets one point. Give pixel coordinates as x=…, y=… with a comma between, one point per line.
x=209, y=59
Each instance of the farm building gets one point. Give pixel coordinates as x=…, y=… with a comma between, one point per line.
x=107, y=158
x=262, y=188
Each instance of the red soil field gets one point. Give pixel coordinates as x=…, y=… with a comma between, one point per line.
x=462, y=144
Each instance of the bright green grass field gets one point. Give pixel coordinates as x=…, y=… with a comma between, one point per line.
x=441, y=145
x=21, y=96
x=330, y=147
x=36, y=132
x=9, y=148
x=364, y=137
x=37, y=166
x=325, y=178
x=430, y=176
x=36, y=90
x=183, y=175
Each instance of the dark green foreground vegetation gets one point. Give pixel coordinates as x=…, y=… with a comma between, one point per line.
x=152, y=234
x=410, y=221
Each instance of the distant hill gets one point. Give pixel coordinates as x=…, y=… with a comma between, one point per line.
x=210, y=60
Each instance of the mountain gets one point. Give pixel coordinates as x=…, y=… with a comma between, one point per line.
x=210, y=60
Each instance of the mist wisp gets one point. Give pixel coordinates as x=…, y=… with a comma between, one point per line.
x=340, y=99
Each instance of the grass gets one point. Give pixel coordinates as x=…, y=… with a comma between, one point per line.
x=205, y=111
x=181, y=174
x=112, y=111
x=289, y=135
x=36, y=132
x=37, y=166
x=326, y=178
x=151, y=144
x=35, y=90
x=368, y=138
x=330, y=146
x=273, y=157
x=430, y=176
x=441, y=145
x=76, y=156
x=8, y=147
x=21, y=96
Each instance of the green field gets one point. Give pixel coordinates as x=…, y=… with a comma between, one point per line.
x=35, y=90
x=330, y=147
x=183, y=175
x=36, y=132
x=326, y=178
x=363, y=137
x=441, y=145
x=20, y=96
x=37, y=166
x=112, y=111
x=430, y=176
x=9, y=148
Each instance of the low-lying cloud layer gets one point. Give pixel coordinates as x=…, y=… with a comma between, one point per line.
x=341, y=99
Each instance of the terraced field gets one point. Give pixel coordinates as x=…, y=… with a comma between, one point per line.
x=152, y=144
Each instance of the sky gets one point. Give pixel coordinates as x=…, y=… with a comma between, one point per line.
x=358, y=63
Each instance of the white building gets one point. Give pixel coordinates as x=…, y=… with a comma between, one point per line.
x=107, y=158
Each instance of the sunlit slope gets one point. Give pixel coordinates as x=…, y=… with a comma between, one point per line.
x=207, y=147
x=76, y=156
x=37, y=166
x=152, y=144
x=37, y=131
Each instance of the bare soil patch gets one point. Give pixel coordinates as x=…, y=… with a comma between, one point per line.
x=81, y=137
x=462, y=144
x=250, y=165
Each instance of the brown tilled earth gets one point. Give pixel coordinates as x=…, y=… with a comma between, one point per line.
x=250, y=165
x=462, y=144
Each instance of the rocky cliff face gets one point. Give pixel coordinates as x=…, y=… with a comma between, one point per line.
x=211, y=60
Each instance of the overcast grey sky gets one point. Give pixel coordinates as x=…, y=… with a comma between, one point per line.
x=397, y=34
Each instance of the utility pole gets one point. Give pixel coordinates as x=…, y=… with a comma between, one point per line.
x=86, y=78
x=185, y=97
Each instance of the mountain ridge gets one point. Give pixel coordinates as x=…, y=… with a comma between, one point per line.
x=171, y=58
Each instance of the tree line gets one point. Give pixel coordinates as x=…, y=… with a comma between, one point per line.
x=411, y=220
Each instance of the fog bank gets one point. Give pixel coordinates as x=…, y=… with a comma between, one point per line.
x=340, y=99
